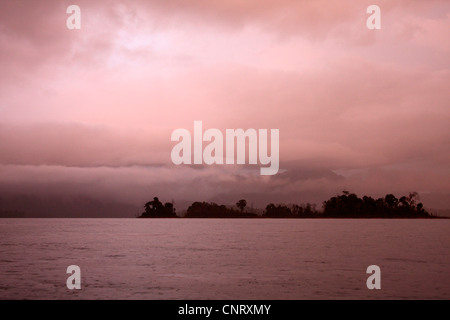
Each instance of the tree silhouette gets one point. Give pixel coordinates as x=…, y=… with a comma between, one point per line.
x=349, y=205
x=214, y=210
x=155, y=209
x=391, y=201
x=278, y=211
x=241, y=204
x=345, y=205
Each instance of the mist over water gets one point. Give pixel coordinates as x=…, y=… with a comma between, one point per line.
x=224, y=258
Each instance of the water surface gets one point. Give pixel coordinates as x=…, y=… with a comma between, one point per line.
x=224, y=258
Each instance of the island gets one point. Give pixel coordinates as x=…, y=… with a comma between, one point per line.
x=155, y=209
x=345, y=205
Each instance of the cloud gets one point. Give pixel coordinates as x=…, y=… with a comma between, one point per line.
x=133, y=186
x=374, y=116
x=78, y=145
x=92, y=110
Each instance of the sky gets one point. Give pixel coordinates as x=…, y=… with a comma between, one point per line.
x=89, y=113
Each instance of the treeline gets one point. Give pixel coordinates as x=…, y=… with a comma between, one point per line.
x=349, y=205
x=155, y=209
x=346, y=205
x=291, y=211
x=213, y=210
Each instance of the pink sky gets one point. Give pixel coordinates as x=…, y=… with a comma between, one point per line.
x=90, y=112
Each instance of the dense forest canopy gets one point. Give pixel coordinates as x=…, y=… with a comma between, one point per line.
x=345, y=205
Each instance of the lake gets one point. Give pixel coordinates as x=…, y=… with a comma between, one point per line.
x=224, y=258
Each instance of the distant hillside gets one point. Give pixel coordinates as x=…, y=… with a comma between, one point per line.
x=56, y=207
x=12, y=214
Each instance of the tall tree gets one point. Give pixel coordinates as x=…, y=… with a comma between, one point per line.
x=241, y=204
